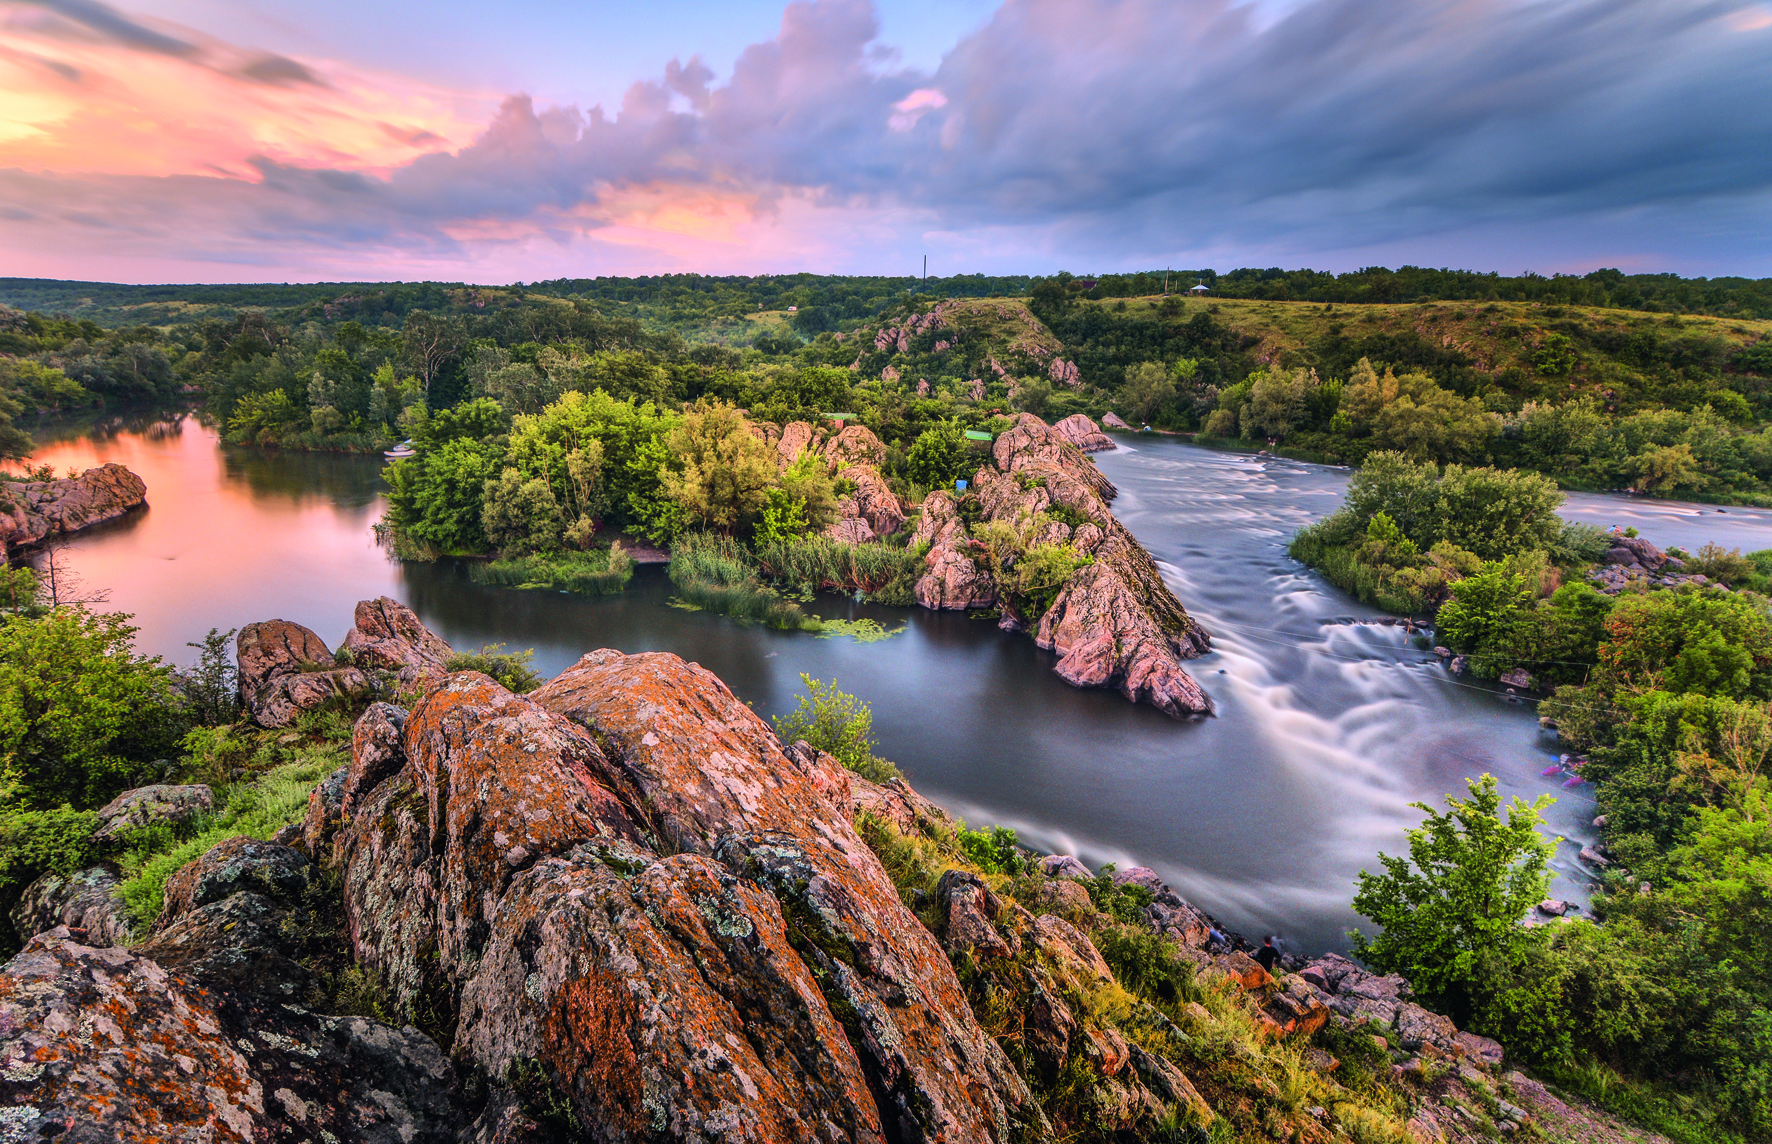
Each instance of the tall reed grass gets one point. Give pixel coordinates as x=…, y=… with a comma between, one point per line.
x=599, y=572
x=714, y=573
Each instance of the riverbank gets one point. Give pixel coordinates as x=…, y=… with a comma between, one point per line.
x=1061, y=1001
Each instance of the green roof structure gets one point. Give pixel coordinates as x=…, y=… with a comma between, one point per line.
x=978, y=435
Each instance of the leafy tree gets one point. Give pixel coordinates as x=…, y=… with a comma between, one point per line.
x=720, y=473
x=1149, y=388
x=783, y=519
x=212, y=688
x=808, y=482
x=79, y=711
x=940, y=456
x=1276, y=401
x=1456, y=902
x=521, y=516
x=1659, y=469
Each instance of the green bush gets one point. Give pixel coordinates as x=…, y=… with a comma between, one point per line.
x=839, y=724
x=510, y=669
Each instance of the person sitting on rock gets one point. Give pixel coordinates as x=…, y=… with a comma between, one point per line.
x=1268, y=955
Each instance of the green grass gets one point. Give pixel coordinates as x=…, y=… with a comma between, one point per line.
x=256, y=809
x=818, y=562
x=599, y=572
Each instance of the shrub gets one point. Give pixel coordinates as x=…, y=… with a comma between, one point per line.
x=839, y=724
x=510, y=669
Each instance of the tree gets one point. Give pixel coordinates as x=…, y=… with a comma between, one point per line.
x=807, y=482
x=1149, y=387
x=838, y=724
x=940, y=456
x=1457, y=901
x=1276, y=401
x=430, y=342
x=521, y=515
x=720, y=473
x=79, y=711
x=1665, y=468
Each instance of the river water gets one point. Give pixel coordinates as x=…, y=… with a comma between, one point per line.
x=1329, y=723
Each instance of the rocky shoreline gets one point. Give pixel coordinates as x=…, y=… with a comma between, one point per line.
x=1113, y=622
x=34, y=511
x=622, y=903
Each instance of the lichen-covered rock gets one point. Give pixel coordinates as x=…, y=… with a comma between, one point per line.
x=325, y=813
x=99, y=1046
x=387, y=634
x=968, y=905
x=854, y=445
x=89, y=901
x=280, y=873
x=1084, y=434
x=1115, y=421
x=1293, y=1009
x=378, y=751
x=151, y=805
x=954, y=581
x=715, y=782
x=238, y=943
x=894, y=801
x=1071, y=951
x=38, y=510
x=285, y=670
x=1417, y=1027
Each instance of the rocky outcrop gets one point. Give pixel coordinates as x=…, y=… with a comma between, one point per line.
x=1080, y=431
x=1106, y=636
x=874, y=501
x=388, y=635
x=954, y=582
x=855, y=445
x=172, y=806
x=850, y=528
x=1114, y=421
x=286, y=669
x=104, y=1044
x=89, y=901
x=1030, y=444
x=33, y=511
x=796, y=438
x=939, y=522
x=236, y=866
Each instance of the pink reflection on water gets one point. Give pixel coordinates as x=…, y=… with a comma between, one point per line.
x=229, y=536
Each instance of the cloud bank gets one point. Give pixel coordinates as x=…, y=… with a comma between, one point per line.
x=1089, y=133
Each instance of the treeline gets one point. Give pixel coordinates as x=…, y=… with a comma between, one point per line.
x=1614, y=289
x=1663, y=1010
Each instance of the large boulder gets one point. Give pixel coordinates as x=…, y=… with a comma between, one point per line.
x=855, y=445
x=160, y=805
x=387, y=634
x=1031, y=443
x=954, y=582
x=285, y=669
x=1105, y=636
x=714, y=781
x=90, y=901
x=238, y=865
x=33, y=511
x=106, y=1045
x=1080, y=431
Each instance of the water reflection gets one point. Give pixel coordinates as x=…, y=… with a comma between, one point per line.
x=1330, y=723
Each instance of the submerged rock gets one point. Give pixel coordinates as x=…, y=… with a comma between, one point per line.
x=34, y=511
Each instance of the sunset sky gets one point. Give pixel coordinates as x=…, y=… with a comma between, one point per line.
x=239, y=140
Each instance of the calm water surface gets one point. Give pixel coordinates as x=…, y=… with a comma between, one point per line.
x=1329, y=725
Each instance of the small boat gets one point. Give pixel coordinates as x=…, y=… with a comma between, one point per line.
x=402, y=450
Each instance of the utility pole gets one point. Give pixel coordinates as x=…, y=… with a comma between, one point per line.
x=925, y=268
x=1165, y=282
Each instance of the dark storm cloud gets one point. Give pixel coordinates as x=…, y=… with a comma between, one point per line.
x=112, y=25
x=1130, y=126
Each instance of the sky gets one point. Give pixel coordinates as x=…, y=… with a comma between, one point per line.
x=240, y=140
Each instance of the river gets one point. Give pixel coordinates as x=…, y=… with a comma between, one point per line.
x=1329, y=725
